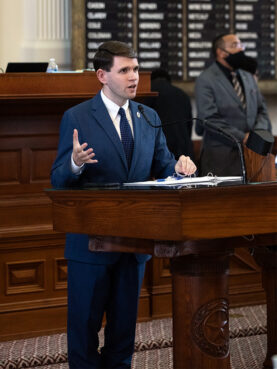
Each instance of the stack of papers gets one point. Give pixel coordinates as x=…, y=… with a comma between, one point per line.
x=179, y=180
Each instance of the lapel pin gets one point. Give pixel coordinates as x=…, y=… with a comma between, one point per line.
x=138, y=114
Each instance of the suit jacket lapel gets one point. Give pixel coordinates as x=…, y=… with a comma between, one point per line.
x=221, y=78
x=103, y=118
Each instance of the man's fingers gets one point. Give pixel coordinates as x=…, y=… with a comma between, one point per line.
x=75, y=138
x=92, y=161
x=186, y=165
x=190, y=167
x=83, y=155
x=86, y=156
x=82, y=147
x=76, y=144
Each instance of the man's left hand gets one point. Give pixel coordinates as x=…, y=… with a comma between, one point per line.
x=185, y=166
x=245, y=138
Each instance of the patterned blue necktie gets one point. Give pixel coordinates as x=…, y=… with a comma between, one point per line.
x=126, y=136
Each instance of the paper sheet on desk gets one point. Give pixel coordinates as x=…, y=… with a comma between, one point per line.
x=177, y=181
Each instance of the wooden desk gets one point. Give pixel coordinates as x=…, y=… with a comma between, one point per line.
x=198, y=229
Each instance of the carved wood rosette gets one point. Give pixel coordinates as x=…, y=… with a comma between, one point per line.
x=209, y=328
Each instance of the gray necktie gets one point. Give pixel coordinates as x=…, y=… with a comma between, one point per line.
x=238, y=89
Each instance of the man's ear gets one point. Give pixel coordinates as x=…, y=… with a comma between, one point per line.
x=101, y=75
x=221, y=54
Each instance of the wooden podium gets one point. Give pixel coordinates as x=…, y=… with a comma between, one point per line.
x=259, y=168
x=198, y=229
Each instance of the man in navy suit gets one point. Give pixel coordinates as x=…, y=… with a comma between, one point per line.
x=101, y=151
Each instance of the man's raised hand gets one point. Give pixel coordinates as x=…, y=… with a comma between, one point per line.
x=80, y=155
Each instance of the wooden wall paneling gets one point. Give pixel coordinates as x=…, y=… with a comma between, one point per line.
x=25, y=277
x=33, y=279
x=60, y=273
x=145, y=299
x=245, y=282
x=161, y=290
x=33, y=296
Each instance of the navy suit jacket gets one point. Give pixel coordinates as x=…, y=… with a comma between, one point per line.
x=151, y=157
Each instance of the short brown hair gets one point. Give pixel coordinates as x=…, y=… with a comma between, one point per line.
x=103, y=58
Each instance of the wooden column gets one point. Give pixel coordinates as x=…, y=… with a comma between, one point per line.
x=201, y=311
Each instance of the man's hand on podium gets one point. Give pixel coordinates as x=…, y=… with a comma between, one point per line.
x=185, y=166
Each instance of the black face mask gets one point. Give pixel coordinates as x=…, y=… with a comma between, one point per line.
x=240, y=60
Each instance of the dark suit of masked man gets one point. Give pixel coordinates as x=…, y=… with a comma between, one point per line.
x=228, y=97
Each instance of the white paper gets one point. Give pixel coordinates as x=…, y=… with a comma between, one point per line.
x=177, y=181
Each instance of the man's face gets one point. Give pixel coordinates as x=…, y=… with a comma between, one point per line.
x=232, y=45
x=120, y=83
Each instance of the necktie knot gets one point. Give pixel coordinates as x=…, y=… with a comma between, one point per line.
x=121, y=112
x=126, y=136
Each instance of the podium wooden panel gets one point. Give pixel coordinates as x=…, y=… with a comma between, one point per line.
x=198, y=229
x=259, y=168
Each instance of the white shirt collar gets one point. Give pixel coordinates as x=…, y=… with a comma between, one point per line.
x=111, y=106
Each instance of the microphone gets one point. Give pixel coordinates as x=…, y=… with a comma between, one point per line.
x=211, y=127
x=141, y=109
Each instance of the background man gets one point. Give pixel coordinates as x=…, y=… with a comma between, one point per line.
x=111, y=142
x=227, y=95
x=172, y=104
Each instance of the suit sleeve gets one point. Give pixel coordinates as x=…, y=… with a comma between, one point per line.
x=262, y=120
x=61, y=172
x=206, y=104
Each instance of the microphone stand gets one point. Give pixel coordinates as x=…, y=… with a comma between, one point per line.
x=207, y=124
x=221, y=131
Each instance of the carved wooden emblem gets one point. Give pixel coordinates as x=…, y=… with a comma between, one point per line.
x=210, y=328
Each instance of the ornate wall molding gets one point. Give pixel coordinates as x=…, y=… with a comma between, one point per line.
x=46, y=30
x=78, y=45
